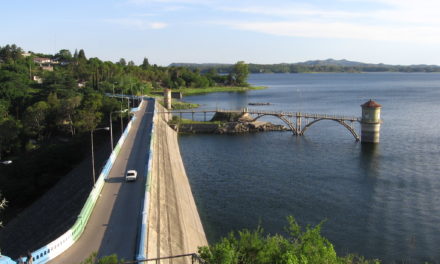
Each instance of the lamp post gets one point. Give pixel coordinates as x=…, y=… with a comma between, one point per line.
x=128, y=108
x=93, y=154
x=122, y=100
x=111, y=126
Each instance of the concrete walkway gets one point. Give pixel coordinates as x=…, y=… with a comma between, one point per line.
x=174, y=224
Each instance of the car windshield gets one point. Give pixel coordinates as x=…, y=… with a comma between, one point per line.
x=130, y=173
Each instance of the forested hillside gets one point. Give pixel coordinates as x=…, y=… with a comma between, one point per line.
x=49, y=103
x=329, y=65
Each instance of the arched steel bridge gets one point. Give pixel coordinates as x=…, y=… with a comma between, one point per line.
x=297, y=122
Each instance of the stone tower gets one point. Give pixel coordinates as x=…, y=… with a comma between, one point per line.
x=167, y=98
x=370, y=122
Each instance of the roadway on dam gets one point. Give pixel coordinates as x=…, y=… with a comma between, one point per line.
x=113, y=225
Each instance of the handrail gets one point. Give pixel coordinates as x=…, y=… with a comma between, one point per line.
x=274, y=113
x=193, y=256
x=141, y=251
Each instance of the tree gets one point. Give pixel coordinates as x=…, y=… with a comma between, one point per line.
x=122, y=62
x=64, y=54
x=35, y=119
x=82, y=55
x=299, y=247
x=87, y=121
x=14, y=85
x=93, y=259
x=10, y=52
x=4, y=106
x=89, y=116
x=145, y=64
x=67, y=110
x=239, y=74
x=9, y=135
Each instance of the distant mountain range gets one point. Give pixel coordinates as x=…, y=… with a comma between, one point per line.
x=347, y=63
x=332, y=62
x=329, y=65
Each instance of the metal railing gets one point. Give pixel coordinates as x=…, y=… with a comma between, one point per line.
x=193, y=257
x=273, y=113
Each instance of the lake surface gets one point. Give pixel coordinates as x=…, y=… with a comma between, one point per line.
x=381, y=201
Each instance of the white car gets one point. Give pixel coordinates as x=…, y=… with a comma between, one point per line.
x=131, y=175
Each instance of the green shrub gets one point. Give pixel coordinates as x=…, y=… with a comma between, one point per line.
x=93, y=259
x=299, y=247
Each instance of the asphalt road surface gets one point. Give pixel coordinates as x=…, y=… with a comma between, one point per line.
x=113, y=225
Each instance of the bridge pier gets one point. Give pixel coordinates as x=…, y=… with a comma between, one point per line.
x=370, y=122
x=167, y=98
x=298, y=124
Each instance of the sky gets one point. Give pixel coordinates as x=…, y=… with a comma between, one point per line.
x=401, y=32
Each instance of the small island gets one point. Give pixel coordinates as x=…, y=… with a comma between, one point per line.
x=259, y=104
x=224, y=123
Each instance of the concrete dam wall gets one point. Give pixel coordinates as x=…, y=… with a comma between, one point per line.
x=174, y=225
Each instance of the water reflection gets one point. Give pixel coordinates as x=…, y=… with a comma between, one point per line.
x=369, y=159
x=381, y=200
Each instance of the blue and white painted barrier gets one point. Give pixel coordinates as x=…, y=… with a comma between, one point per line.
x=141, y=251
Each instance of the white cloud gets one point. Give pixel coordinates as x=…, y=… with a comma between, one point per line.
x=144, y=15
x=137, y=24
x=141, y=2
x=158, y=25
x=400, y=11
x=384, y=20
x=389, y=20
x=341, y=31
x=295, y=11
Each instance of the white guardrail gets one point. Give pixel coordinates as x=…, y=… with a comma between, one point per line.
x=142, y=251
x=61, y=244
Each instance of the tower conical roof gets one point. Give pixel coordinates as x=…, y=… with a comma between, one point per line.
x=371, y=104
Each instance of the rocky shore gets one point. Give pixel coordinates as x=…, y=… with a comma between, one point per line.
x=227, y=123
x=229, y=128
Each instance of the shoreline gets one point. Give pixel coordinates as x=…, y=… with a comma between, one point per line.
x=227, y=128
x=218, y=89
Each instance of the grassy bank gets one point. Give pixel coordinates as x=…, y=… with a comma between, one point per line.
x=177, y=120
x=216, y=89
x=180, y=105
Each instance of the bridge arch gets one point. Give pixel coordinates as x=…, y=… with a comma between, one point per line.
x=349, y=128
x=284, y=119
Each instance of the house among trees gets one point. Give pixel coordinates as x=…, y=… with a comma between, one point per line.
x=37, y=79
x=81, y=84
x=42, y=61
x=47, y=67
x=45, y=63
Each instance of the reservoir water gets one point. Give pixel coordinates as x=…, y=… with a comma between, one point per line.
x=381, y=201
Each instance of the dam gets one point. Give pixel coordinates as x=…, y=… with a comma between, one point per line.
x=174, y=225
x=153, y=217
